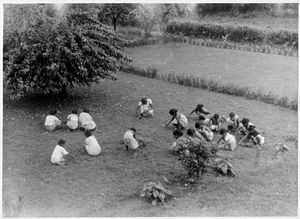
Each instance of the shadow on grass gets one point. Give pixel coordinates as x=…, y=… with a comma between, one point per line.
x=38, y=101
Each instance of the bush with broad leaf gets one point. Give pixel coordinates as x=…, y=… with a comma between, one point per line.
x=156, y=192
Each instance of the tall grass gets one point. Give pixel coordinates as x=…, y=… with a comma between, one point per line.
x=150, y=72
x=215, y=86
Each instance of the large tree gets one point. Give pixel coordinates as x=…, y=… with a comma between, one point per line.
x=117, y=12
x=147, y=17
x=51, y=56
x=18, y=18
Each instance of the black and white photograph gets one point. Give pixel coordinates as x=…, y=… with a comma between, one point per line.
x=149, y=109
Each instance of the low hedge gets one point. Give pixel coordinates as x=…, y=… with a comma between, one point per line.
x=239, y=34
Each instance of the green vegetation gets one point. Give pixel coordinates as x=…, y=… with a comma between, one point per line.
x=232, y=33
x=117, y=12
x=247, y=69
x=50, y=57
x=155, y=192
x=47, y=52
x=233, y=9
x=115, y=178
x=215, y=86
x=150, y=72
x=195, y=157
x=261, y=48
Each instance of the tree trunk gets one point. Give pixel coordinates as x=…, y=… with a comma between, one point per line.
x=63, y=93
x=114, y=21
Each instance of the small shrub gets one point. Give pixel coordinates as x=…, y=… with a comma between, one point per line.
x=195, y=157
x=155, y=192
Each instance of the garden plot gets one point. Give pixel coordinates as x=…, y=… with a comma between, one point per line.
x=109, y=185
x=270, y=73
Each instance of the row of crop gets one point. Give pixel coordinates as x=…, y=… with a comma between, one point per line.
x=233, y=33
x=215, y=86
x=261, y=48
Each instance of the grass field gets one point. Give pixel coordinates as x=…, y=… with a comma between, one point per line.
x=278, y=74
x=108, y=185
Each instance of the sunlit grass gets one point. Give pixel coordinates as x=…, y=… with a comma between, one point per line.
x=215, y=86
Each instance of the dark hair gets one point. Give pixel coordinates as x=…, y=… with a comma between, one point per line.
x=251, y=128
x=144, y=100
x=190, y=132
x=61, y=142
x=201, y=117
x=173, y=112
x=52, y=112
x=245, y=121
x=230, y=127
x=177, y=133
x=197, y=125
x=86, y=110
x=88, y=133
x=231, y=114
x=222, y=131
x=199, y=106
x=216, y=116
x=74, y=111
x=133, y=129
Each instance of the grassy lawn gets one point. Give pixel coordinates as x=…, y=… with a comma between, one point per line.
x=108, y=185
x=278, y=74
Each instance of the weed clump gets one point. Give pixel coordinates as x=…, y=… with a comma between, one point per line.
x=155, y=192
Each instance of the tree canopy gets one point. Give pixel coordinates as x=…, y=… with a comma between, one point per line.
x=48, y=57
x=117, y=12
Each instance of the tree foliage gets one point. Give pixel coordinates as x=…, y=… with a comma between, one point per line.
x=152, y=17
x=51, y=56
x=275, y=9
x=147, y=18
x=168, y=12
x=117, y=12
x=20, y=17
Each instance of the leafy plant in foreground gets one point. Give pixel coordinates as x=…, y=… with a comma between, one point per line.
x=156, y=192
